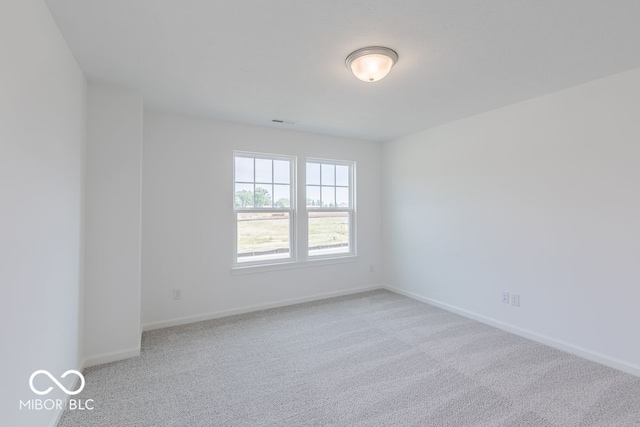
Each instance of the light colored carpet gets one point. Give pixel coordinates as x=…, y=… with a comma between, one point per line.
x=374, y=358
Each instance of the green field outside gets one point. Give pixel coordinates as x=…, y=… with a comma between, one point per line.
x=267, y=232
x=261, y=235
x=327, y=231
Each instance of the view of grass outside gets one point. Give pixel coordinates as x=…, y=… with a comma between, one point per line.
x=264, y=236
x=328, y=233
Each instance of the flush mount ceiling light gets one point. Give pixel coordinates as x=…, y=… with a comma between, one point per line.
x=371, y=64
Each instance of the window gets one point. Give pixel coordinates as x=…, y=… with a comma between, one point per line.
x=264, y=208
x=267, y=230
x=330, y=208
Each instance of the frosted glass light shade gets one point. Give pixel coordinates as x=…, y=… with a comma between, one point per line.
x=371, y=64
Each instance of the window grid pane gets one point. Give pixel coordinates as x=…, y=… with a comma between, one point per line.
x=328, y=197
x=264, y=171
x=334, y=189
x=342, y=175
x=244, y=169
x=327, y=174
x=329, y=204
x=263, y=183
x=342, y=197
x=313, y=173
x=244, y=195
x=281, y=196
x=313, y=195
x=281, y=172
x=262, y=196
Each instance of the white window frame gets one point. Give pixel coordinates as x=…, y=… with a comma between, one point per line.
x=291, y=210
x=351, y=210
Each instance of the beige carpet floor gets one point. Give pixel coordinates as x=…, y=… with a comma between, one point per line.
x=371, y=359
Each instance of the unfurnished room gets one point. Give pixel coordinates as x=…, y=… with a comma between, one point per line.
x=329, y=213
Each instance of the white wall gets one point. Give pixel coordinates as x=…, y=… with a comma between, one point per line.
x=540, y=199
x=187, y=217
x=42, y=134
x=114, y=161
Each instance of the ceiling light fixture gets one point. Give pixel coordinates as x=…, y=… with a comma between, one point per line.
x=371, y=64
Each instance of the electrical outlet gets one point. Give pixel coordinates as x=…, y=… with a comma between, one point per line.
x=515, y=300
x=177, y=294
x=505, y=297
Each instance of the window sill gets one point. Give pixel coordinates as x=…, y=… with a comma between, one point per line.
x=290, y=265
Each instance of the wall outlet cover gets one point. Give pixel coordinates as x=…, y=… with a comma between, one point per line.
x=515, y=300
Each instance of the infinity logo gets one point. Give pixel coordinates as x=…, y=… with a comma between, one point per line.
x=60, y=386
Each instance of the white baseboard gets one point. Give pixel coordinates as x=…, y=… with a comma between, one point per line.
x=111, y=357
x=612, y=362
x=258, y=307
x=57, y=414
x=70, y=383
